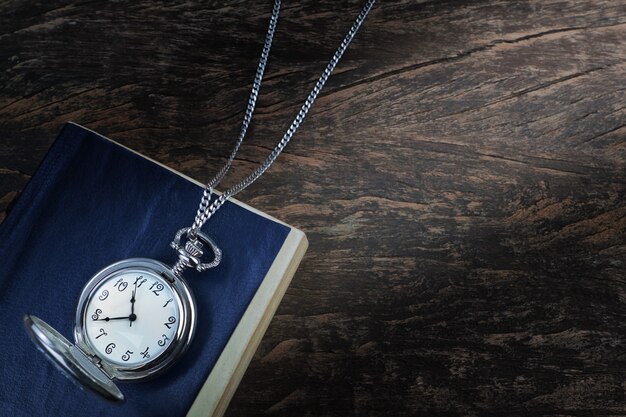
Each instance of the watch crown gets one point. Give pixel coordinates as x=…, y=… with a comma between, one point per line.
x=193, y=248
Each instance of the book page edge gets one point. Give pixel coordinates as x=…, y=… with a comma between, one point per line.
x=218, y=389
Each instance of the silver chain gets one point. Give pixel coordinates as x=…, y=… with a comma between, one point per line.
x=208, y=206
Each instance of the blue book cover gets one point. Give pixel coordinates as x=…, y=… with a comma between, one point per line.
x=91, y=203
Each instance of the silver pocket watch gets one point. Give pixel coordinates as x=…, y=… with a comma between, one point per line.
x=134, y=319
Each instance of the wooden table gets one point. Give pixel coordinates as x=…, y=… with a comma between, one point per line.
x=462, y=181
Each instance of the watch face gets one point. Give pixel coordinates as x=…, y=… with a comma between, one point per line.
x=132, y=317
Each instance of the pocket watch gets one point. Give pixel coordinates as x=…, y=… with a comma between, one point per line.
x=134, y=319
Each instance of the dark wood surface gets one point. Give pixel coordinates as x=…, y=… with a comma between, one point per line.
x=462, y=182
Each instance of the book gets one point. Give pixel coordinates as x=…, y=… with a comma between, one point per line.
x=93, y=202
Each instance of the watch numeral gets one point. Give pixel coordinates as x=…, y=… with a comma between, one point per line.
x=145, y=353
x=96, y=314
x=109, y=348
x=159, y=287
x=170, y=321
x=104, y=295
x=168, y=301
x=102, y=333
x=121, y=285
x=140, y=277
x=162, y=342
x=126, y=356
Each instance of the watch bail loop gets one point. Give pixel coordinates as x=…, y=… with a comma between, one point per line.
x=190, y=253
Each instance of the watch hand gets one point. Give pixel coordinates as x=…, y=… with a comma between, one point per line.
x=132, y=305
x=114, y=318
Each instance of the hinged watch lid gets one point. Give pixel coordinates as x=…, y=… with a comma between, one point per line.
x=70, y=359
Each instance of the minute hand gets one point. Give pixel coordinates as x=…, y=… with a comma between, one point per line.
x=132, y=307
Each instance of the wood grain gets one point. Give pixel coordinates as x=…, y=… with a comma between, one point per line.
x=462, y=182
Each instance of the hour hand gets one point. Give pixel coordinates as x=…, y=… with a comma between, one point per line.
x=113, y=318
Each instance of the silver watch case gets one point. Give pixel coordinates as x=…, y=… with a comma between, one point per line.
x=80, y=361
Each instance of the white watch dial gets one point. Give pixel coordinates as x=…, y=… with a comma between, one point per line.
x=132, y=317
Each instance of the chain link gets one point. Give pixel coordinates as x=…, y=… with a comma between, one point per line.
x=209, y=206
